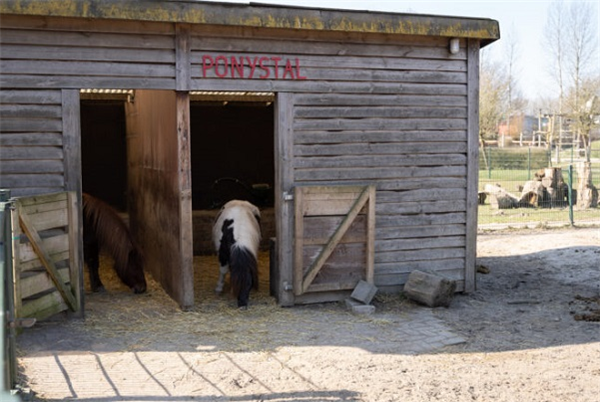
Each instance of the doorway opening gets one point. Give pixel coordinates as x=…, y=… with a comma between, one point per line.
x=232, y=138
x=104, y=146
x=232, y=143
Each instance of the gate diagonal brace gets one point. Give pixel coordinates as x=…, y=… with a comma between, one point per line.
x=313, y=270
x=36, y=243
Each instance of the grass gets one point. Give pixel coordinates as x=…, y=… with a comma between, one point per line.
x=510, y=179
x=538, y=216
x=569, y=154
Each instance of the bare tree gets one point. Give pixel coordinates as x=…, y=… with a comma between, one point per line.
x=512, y=53
x=492, y=95
x=499, y=94
x=571, y=41
x=583, y=47
x=554, y=38
x=585, y=117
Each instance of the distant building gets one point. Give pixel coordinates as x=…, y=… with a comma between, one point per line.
x=522, y=128
x=524, y=124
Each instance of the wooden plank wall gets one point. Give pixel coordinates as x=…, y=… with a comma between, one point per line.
x=376, y=108
x=418, y=164
x=31, y=141
x=42, y=52
x=372, y=110
x=39, y=56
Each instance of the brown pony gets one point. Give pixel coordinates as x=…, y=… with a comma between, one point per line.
x=103, y=229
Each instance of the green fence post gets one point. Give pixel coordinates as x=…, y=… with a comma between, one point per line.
x=489, y=162
x=5, y=369
x=571, y=195
x=528, y=163
x=572, y=150
x=8, y=370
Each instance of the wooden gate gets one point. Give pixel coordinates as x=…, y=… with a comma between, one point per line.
x=46, y=255
x=334, y=241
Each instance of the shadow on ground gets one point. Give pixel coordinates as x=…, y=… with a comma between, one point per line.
x=526, y=301
x=134, y=347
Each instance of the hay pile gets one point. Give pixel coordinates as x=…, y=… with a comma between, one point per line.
x=118, y=312
x=206, y=272
x=215, y=320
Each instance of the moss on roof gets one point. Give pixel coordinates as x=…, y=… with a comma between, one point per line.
x=253, y=15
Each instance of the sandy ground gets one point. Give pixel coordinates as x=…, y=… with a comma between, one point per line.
x=529, y=329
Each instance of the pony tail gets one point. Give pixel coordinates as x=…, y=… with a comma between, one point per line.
x=243, y=273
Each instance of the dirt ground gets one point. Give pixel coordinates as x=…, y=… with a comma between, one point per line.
x=531, y=334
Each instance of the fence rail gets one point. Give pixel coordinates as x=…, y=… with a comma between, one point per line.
x=515, y=170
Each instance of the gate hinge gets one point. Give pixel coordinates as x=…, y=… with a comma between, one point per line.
x=23, y=322
x=288, y=196
x=19, y=322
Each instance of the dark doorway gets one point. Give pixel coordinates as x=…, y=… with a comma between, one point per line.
x=232, y=153
x=232, y=157
x=104, y=151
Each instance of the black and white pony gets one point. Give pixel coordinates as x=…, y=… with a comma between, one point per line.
x=236, y=234
x=103, y=229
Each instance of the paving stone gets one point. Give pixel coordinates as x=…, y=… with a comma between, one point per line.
x=359, y=308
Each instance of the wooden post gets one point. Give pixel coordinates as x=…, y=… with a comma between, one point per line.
x=71, y=140
x=76, y=251
x=298, y=235
x=284, y=180
x=472, y=163
x=182, y=57
x=71, y=117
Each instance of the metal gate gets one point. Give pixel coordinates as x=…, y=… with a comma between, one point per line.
x=7, y=328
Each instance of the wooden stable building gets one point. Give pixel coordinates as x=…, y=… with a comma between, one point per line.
x=362, y=128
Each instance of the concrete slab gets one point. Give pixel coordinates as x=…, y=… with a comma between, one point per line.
x=364, y=292
x=359, y=308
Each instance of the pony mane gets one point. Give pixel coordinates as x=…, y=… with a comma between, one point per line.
x=112, y=233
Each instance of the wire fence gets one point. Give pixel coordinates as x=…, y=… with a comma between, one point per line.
x=535, y=187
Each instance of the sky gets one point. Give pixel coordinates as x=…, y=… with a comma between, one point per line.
x=524, y=20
